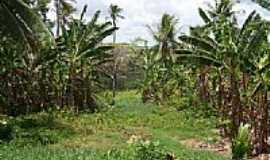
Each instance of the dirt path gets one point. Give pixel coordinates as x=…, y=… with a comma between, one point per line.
x=222, y=147
x=262, y=157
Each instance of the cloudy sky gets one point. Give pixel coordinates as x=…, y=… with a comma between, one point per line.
x=139, y=13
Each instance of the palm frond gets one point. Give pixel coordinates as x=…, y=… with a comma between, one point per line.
x=199, y=43
x=23, y=24
x=183, y=54
x=204, y=16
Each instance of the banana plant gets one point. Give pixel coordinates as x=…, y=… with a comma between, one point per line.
x=234, y=49
x=82, y=51
x=240, y=51
x=23, y=25
x=151, y=69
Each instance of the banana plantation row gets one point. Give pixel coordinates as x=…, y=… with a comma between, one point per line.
x=226, y=62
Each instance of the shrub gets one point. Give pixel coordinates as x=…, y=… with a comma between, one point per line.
x=6, y=131
x=138, y=150
x=116, y=154
x=149, y=151
x=241, y=143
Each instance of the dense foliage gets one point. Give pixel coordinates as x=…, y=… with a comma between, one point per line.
x=218, y=69
x=231, y=61
x=63, y=73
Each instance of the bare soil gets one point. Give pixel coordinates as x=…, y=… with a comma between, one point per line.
x=222, y=147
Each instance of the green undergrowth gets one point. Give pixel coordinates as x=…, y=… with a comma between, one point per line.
x=111, y=134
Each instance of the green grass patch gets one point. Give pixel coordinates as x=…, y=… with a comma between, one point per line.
x=93, y=136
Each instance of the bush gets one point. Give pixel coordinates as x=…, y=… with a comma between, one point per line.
x=116, y=154
x=38, y=129
x=6, y=131
x=241, y=143
x=139, y=150
x=35, y=137
x=149, y=151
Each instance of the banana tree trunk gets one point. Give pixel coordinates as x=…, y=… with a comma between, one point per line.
x=220, y=92
x=203, y=84
x=57, y=8
x=220, y=103
x=236, y=108
x=114, y=83
x=114, y=77
x=71, y=85
x=260, y=126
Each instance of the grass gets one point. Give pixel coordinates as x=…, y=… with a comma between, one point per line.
x=91, y=136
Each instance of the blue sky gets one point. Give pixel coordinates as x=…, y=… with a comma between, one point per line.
x=139, y=13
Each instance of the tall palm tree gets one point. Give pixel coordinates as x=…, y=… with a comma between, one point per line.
x=22, y=24
x=164, y=36
x=115, y=14
x=158, y=64
x=64, y=9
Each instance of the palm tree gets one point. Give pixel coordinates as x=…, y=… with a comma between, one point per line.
x=64, y=9
x=115, y=14
x=165, y=38
x=23, y=25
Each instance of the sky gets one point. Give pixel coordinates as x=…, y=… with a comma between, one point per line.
x=140, y=13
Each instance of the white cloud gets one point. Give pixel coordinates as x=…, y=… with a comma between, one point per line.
x=139, y=13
